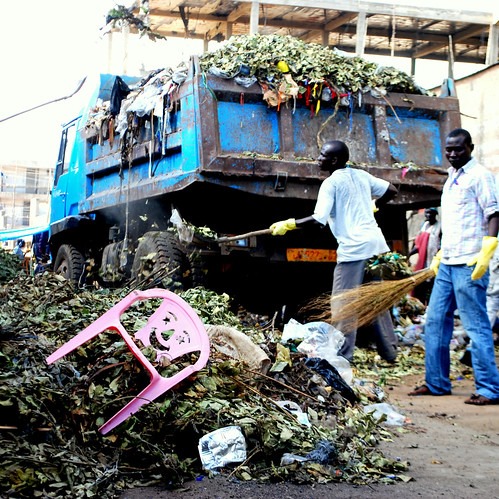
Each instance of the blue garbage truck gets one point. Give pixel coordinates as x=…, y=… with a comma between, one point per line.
x=134, y=186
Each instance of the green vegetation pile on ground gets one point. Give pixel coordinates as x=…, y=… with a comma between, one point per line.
x=9, y=265
x=50, y=414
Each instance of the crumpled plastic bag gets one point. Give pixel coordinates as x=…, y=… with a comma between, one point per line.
x=322, y=340
x=221, y=447
x=332, y=377
x=245, y=81
x=146, y=100
x=295, y=409
x=325, y=452
x=219, y=73
x=185, y=233
x=179, y=76
x=393, y=418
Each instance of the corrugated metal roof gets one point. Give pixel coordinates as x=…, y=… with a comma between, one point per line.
x=396, y=30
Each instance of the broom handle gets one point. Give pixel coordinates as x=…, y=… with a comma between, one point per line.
x=261, y=232
x=427, y=271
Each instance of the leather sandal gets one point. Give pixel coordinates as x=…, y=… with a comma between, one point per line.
x=424, y=390
x=476, y=399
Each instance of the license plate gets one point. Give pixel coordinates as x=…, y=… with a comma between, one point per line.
x=310, y=255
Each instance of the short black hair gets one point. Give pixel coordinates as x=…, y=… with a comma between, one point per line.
x=339, y=149
x=461, y=132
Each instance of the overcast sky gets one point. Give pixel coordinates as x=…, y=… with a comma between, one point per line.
x=48, y=46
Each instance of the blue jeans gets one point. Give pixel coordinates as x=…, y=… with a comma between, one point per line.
x=453, y=289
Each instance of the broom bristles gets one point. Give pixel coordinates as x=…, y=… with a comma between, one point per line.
x=359, y=306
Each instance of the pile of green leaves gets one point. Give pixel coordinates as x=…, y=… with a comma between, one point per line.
x=10, y=265
x=50, y=414
x=309, y=63
x=389, y=266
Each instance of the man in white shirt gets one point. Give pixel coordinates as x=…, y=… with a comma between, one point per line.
x=470, y=223
x=345, y=204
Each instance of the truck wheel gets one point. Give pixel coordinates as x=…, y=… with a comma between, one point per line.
x=70, y=263
x=159, y=261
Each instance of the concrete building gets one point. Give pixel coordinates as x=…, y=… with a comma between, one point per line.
x=24, y=194
x=479, y=113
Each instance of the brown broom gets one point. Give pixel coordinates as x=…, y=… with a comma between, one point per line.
x=360, y=306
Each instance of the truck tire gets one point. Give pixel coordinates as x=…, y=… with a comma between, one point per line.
x=70, y=263
x=159, y=261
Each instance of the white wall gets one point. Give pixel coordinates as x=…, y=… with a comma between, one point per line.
x=479, y=107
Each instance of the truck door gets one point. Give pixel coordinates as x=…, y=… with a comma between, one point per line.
x=60, y=204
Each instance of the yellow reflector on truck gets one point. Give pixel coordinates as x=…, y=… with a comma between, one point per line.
x=310, y=255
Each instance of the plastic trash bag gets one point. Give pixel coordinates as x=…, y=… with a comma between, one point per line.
x=313, y=335
x=411, y=334
x=293, y=330
x=146, y=100
x=179, y=76
x=325, y=452
x=245, y=81
x=288, y=458
x=332, y=377
x=324, y=341
x=221, y=447
x=185, y=233
x=321, y=340
x=219, y=73
x=295, y=409
x=392, y=416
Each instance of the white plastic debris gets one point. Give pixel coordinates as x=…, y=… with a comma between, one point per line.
x=295, y=409
x=221, y=447
x=392, y=416
x=288, y=458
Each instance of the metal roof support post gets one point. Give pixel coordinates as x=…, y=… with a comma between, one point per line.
x=451, y=58
x=254, y=18
x=492, y=45
x=361, y=33
x=325, y=38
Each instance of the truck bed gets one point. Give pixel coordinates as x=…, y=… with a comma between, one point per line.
x=225, y=137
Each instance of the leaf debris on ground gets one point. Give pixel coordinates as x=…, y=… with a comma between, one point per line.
x=50, y=413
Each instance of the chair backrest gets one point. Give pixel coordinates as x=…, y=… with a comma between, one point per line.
x=173, y=330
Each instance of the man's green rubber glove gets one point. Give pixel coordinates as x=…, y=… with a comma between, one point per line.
x=435, y=263
x=280, y=228
x=482, y=259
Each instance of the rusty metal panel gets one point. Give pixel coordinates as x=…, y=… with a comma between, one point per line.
x=227, y=135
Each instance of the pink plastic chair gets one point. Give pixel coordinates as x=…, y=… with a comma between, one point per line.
x=174, y=316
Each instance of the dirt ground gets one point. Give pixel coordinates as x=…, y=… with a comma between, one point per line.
x=452, y=448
